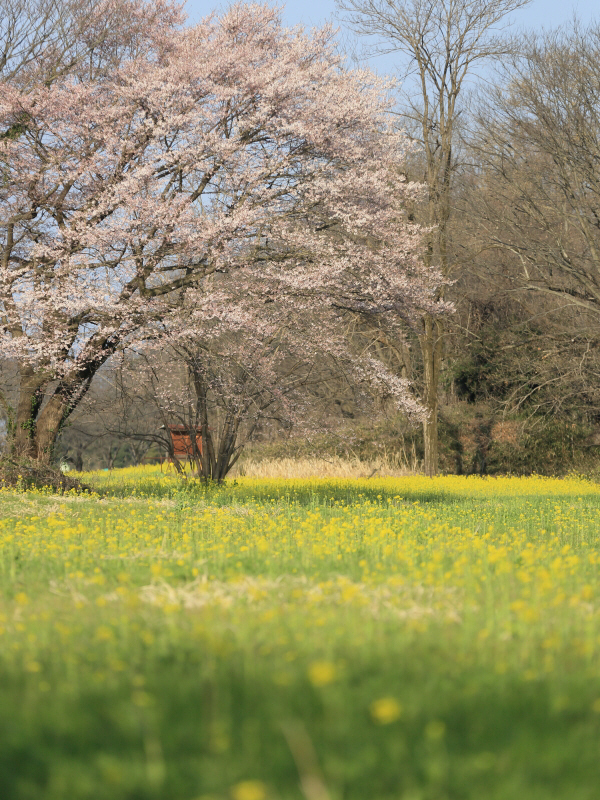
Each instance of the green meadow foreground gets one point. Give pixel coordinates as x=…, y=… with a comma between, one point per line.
x=400, y=638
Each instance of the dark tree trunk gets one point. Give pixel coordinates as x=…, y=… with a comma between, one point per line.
x=432, y=348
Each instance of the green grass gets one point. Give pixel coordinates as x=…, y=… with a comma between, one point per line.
x=359, y=640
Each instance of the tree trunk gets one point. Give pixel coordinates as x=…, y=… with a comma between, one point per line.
x=26, y=412
x=36, y=424
x=430, y=438
x=47, y=427
x=78, y=460
x=431, y=347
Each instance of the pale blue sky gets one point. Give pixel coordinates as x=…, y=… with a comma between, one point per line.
x=541, y=13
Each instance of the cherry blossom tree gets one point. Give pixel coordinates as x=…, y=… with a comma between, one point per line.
x=46, y=47
x=236, y=153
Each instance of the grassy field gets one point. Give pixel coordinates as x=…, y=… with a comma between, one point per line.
x=383, y=639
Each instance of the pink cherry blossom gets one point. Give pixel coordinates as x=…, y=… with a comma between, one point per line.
x=214, y=169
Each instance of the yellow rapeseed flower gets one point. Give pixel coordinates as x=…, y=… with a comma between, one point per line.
x=385, y=710
x=321, y=673
x=249, y=790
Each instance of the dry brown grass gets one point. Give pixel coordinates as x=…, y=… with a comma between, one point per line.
x=320, y=468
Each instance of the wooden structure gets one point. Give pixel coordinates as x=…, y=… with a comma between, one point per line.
x=181, y=438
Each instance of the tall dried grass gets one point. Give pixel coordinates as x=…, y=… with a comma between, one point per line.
x=320, y=468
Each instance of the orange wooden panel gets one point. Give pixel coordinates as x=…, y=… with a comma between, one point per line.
x=182, y=441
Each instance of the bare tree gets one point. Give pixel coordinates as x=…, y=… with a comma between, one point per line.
x=538, y=188
x=107, y=426
x=443, y=43
x=217, y=391
x=41, y=41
